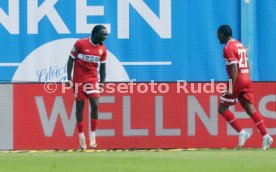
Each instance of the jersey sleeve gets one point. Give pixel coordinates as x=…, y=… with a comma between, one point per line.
x=229, y=56
x=104, y=56
x=75, y=51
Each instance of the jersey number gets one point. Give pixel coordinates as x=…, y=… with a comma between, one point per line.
x=243, y=58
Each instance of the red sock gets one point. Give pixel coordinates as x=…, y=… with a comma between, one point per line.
x=94, y=123
x=259, y=122
x=80, y=127
x=230, y=118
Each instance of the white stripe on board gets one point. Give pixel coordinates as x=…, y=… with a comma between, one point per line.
x=6, y=117
x=146, y=63
x=9, y=64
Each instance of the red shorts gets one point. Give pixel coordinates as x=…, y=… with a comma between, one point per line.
x=87, y=90
x=241, y=96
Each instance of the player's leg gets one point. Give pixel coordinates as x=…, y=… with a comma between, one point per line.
x=94, y=120
x=79, y=116
x=229, y=116
x=225, y=102
x=258, y=119
x=255, y=115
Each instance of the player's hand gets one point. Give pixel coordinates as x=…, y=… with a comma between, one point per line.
x=69, y=83
x=229, y=92
x=100, y=86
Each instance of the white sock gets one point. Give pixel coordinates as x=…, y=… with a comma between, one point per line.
x=81, y=136
x=92, y=133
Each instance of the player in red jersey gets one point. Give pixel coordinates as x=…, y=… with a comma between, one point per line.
x=238, y=72
x=86, y=55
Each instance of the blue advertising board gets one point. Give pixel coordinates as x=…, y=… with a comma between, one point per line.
x=161, y=40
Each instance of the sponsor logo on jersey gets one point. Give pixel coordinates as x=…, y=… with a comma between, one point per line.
x=89, y=58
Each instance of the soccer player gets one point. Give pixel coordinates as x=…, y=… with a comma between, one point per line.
x=238, y=71
x=86, y=55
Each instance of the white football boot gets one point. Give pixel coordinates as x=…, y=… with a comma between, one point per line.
x=82, y=142
x=267, y=141
x=243, y=137
x=93, y=143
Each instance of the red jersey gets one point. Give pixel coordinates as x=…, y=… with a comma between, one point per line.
x=87, y=58
x=235, y=53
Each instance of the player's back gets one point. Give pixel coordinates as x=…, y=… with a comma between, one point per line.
x=236, y=53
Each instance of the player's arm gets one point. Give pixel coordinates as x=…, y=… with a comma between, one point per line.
x=70, y=64
x=103, y=68
x=233, y=76
x=71, y=59
x=233, y=62
x=102, y=72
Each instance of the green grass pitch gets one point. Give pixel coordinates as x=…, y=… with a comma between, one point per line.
x=141, y=161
